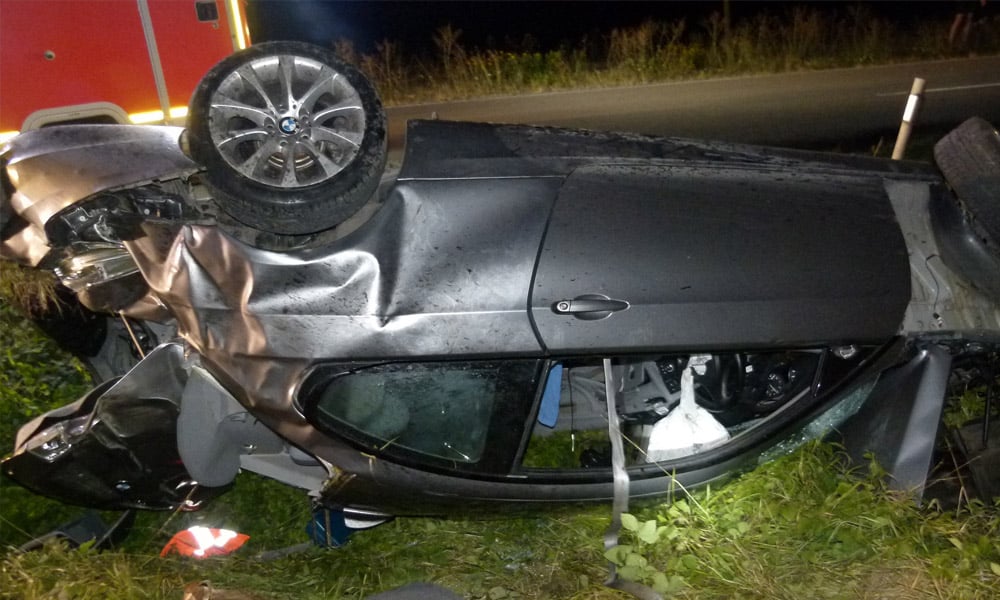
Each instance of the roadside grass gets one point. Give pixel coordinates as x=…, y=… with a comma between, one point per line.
x=801, y=527
x=35, y=376
x=32, y=291
x=795, y=38
x=795, y=528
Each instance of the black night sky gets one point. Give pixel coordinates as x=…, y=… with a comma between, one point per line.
x=504, y=25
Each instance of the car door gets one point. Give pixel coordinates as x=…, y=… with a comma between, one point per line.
x=671, y=256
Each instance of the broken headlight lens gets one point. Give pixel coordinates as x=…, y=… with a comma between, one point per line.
x=54, y=441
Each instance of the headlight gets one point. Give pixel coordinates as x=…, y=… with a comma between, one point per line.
x=54, y=441
x=96, y=264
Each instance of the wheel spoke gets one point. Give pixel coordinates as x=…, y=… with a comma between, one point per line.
x=328, y=165
x=318, y=157
x=243, y=135
x=227, y=108
x=348, y=139
x=286, y=74
x=256, y=165
x=321, y=85
x=345, y=106
x=289, y=176
x=249, y=74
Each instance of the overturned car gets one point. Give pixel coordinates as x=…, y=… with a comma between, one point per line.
x=477, y=327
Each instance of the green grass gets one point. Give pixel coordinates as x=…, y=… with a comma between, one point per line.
x=35, y=376
x=796, y=528
x=795, y=38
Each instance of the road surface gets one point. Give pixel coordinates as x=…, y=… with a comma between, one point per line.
x=805, y=109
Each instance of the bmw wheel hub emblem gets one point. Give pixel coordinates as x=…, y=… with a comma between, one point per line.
x=289, y=125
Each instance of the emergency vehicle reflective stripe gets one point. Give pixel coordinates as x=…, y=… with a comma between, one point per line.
x=237, y=26
x=156, y=116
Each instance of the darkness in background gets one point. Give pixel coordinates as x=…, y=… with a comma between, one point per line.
x=504, y=25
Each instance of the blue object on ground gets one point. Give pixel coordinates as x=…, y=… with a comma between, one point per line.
x=328, y=528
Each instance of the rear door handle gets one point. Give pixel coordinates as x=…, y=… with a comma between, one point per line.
x=589, y=307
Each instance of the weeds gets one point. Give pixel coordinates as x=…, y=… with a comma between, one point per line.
x=35, y=375
x=800, y=527
x=31, y=291
x=796, y=528
x=797, y=38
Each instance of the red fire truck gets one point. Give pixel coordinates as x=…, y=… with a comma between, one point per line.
x=111, y=61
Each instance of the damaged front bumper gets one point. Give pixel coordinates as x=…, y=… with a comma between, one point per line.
x=165, y=436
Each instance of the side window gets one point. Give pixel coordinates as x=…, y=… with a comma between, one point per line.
x=447, y=411
x=728, y=395
x=571, y=431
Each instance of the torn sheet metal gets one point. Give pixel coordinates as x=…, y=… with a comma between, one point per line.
x=900, y=429
x=50, y=169
x=53, y=168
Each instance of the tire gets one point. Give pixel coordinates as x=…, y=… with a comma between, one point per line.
x=969, y=159
x=295, y=169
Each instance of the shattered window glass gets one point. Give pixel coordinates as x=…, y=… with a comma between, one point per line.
x=822, y=425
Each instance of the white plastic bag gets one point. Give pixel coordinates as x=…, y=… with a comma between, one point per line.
x=689, y=428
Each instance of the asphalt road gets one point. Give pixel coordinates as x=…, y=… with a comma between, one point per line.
x=807, y=109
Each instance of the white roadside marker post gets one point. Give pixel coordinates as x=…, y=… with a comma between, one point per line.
x=912, y=103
